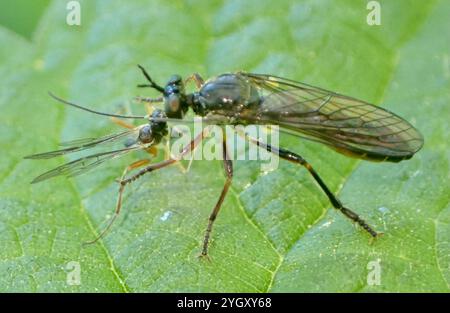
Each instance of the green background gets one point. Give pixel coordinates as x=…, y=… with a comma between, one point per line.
x=276, y=232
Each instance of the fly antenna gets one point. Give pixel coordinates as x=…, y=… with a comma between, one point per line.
x=93, y=111
x=150, y=80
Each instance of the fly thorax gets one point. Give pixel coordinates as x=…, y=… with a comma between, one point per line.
x=158, y=125
x=197, y=106
x=230, y=93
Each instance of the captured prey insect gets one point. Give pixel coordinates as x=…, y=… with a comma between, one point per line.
x=349, y=126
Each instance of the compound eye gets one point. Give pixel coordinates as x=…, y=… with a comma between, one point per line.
x=175, y=80
x=145, y=134
x=173, y=103
x=157, y=113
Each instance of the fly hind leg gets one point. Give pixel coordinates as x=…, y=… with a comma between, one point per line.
x=119, y=199
x=337, y=204
x=228, y=166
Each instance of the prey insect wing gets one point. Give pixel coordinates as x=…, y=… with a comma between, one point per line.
x=350, y=126
x=87, y=163
x=77, y=142
x=127, y=140
x=87, y=143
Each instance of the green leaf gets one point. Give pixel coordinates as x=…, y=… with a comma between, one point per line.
x=276, y=231
x=22, y=16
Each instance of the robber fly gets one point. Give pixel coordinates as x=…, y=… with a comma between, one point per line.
x=345, y=124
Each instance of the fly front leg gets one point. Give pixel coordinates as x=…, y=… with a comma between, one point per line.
x=168, y=154
x=121, y=123
x=199, y=81
x=337, y=204
x=152, y=167
x=228, y=166
x=149, y=103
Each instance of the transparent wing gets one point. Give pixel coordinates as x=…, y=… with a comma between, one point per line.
x=350, y=126
x=77, y=142
x=87, y=163
x=87, y=143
